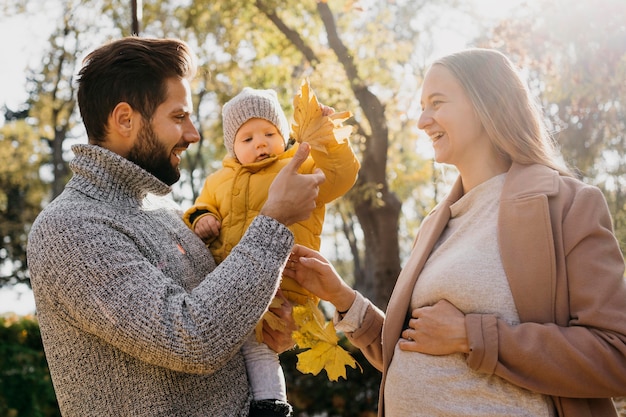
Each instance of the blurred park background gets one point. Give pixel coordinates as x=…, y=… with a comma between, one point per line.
x=365, y=56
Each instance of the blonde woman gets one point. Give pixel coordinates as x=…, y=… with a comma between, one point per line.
x=513, y=301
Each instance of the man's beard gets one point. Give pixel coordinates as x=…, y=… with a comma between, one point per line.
x=151, y=155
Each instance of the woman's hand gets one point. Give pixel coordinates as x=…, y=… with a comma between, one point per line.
x=316, y=274
x=436, y=330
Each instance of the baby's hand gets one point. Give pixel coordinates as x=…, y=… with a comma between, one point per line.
x=326, y=110
x=207, y=227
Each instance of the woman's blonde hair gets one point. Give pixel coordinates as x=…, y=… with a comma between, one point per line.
x=512, y=119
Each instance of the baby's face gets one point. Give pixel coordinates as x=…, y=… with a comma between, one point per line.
x=257, y=139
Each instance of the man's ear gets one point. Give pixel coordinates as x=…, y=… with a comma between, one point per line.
x=124, y=124
x=122, y=120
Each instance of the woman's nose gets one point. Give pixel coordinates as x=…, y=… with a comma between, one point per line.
x=424, y=120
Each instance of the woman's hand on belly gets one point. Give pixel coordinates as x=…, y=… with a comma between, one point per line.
x=436, y=330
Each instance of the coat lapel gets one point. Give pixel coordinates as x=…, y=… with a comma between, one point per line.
x=526, y=241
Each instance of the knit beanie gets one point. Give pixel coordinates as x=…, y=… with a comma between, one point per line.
x=248, y=104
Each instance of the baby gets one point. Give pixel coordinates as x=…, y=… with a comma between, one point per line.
x=256, y=135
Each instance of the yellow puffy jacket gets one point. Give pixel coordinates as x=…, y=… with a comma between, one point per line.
x=236, y=193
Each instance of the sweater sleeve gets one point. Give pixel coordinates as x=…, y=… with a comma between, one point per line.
x=100, y=279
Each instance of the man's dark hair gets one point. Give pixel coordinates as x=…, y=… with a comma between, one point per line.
x=132, y=70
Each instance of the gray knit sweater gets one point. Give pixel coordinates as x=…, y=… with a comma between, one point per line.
x=135, y=317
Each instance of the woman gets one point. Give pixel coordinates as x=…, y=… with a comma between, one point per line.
x=513, y=300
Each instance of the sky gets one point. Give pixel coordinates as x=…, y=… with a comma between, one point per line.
x=23, y=40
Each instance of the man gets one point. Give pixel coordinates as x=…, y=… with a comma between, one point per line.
x=135, y=317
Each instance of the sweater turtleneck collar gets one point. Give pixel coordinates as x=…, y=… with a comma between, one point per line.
x=107, y=176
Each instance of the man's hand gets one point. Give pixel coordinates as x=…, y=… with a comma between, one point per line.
x=292, y=196
x=280, y=341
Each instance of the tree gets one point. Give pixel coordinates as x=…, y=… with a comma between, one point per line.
x=21, y=194
x=34, y=139
x=308, y=39
x=575, y=53
x=25, y=385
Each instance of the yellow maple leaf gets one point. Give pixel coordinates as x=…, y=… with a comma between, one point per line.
x=311, y=325
x=332, y=358
x=272, y=320
x=310, y=125
x=321, y=340
x=312, y=332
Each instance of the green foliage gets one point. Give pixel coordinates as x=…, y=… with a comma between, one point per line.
x=575, y=57
x=311, y=395
x=25, y=385
x=21, y=195
x=26, y=388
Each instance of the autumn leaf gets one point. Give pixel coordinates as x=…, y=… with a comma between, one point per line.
x=272, y=320
x=332, y=358
x=310, y=125
x=312, y=333
x=321, y=340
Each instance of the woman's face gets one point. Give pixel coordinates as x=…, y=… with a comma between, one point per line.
x=449, y=119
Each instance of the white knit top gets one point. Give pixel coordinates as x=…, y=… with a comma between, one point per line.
x=465, y=268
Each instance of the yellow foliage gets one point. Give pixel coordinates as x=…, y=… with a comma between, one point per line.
x=321, y=338
x=310, y=125
x=312, y=332
x=272, y=320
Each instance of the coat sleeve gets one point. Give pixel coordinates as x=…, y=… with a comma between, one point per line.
x=585, y=355
x=340, y=166
x=367, y=336
x=206, y=203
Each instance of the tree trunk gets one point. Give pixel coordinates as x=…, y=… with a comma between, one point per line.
x=377, y=208
x=59, y=166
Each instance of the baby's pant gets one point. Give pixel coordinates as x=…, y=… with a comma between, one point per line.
x=266, y=377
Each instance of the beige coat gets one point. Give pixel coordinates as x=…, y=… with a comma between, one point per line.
x=566, y=274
